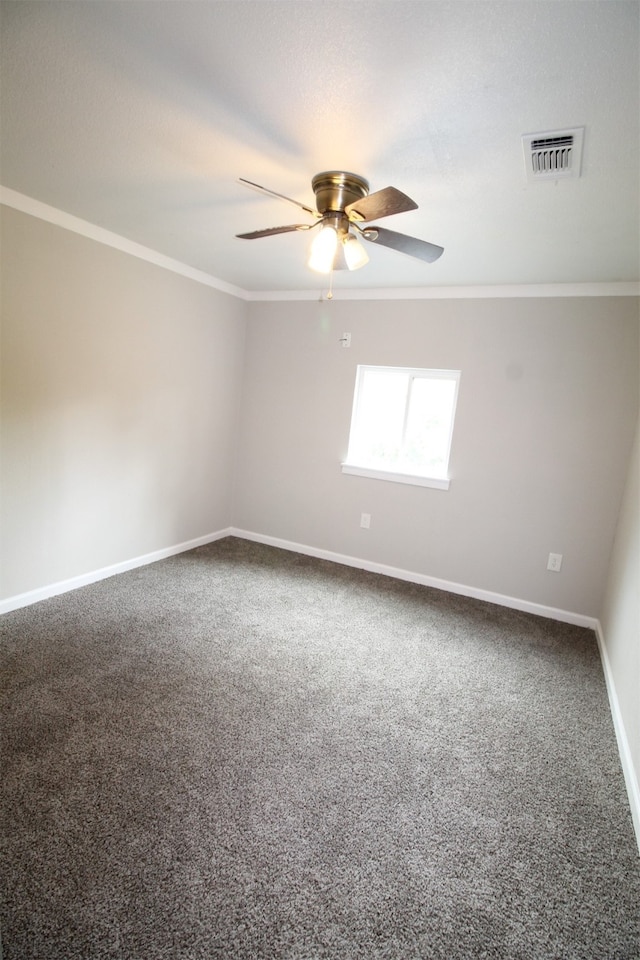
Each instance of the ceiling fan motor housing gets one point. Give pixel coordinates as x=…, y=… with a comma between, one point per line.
x=335, y=190
x=343, y=202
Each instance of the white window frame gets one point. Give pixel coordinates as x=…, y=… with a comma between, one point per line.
x=439, y=481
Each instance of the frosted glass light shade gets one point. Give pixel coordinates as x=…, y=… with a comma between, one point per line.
x=354, y=253
x=323, y=250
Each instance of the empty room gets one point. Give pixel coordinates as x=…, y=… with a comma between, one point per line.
x=320, y=480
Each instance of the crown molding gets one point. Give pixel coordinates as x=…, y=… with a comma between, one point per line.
x=497, y=292
x=43, y=211
x=35, y=208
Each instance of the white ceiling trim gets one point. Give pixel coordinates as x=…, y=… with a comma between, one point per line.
x=505, y=291
x=35, y=208
x=43, y=211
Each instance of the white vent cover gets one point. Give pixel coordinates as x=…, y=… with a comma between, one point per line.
x=553, y=155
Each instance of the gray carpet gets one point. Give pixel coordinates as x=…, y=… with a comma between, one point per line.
x=240, y=752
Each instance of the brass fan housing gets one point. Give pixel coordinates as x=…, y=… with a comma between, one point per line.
x=335, y=190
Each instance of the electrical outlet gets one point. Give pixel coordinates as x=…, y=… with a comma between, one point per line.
x=554, y=562
x=365, y=520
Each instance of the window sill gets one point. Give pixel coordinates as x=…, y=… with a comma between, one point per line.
x=439, y=483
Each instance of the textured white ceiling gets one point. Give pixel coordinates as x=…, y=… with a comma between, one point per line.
x=140, y=116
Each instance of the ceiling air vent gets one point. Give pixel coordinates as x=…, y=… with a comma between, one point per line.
x=553, y=155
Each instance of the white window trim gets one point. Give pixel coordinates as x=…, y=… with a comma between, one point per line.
x=397, y=476
x=438, y=483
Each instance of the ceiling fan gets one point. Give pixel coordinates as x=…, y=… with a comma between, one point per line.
x=343, y=203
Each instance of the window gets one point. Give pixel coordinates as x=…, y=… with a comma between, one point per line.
x=401, y=425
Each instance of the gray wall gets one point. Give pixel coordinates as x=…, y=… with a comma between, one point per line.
x=120, y=390
x=123, y=384
x=544, y=425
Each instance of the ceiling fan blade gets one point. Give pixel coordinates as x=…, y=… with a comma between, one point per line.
x=404, y=244
x=280, y=196
x=272, y=231
x=382, y=203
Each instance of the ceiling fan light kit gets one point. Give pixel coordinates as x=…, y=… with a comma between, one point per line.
x=343, y=202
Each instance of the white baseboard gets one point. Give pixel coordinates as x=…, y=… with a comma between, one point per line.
x=553, y=613
x=64, y=586
x=626, y=760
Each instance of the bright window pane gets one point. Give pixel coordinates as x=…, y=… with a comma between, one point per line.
x=402, y=420
x=426, y=442
x=380, y=417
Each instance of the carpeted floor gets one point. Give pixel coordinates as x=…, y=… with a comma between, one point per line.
x=247, y=754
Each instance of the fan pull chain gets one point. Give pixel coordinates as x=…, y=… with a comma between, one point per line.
x=330, y=291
